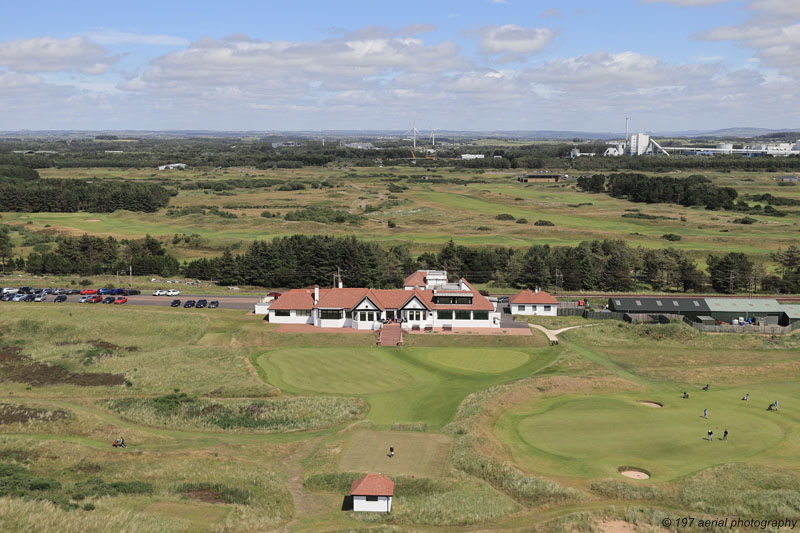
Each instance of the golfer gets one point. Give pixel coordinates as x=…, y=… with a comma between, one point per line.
x=725, y=435
x=705, y=413
x=391, y=452
x=710, y=435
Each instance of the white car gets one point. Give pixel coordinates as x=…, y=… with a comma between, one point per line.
x=173, y=292
x=84, y=299
x=159, y=292
x=41, y=297
x=8, y=290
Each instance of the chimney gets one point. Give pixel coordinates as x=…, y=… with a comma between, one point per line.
x=316, y=295
x=536, y=290
x=340, y=282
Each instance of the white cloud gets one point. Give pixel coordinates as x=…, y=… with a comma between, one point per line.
x=45, y=54
x=552, y=13
x=772, y=32
x=108, y=36
x=513, y=40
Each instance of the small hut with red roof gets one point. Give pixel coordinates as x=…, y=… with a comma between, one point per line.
x=533, y=302
x=372, y=493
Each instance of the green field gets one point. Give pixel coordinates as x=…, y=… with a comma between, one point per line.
x=427, y=214
x=232, y=426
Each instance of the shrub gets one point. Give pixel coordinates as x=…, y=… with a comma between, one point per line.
x=391, y=224
x=483, y=228
x=745, y=220
x=671, y=237
x=543, y=223
x=504, y=216
x=522, y=221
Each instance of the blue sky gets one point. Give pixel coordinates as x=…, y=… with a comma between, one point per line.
x=476, y=65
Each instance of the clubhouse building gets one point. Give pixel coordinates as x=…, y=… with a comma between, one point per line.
x=427, y=301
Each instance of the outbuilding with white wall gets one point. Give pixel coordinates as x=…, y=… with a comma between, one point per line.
x=533, y=302
x=372, y=493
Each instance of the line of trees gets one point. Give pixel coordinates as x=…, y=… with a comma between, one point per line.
x=609, y=265
x=89, y=255
x=689, y=191
x=72, y=195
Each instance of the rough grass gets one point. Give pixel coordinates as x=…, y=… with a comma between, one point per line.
x=265, y=416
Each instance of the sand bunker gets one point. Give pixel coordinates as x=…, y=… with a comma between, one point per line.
x=650, y=404
x=92, y=220
x=633, y=472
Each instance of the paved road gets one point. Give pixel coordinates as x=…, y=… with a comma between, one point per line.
x=225, y=302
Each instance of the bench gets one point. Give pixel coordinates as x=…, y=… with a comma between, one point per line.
x=415, y=327
x=447, y=327
x=428, y=328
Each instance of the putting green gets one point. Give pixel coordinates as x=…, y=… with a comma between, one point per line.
x=482, y=360
x=335, y=370
x=591, y=437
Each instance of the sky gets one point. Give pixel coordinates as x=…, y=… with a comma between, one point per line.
x=477, y=65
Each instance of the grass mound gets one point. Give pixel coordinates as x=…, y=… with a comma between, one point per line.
x=96, y=487
x=213, y=493
x=273, y=415
x=12, y=414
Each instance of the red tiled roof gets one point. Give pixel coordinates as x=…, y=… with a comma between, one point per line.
x=417, y=279
x=294, y=299
x=372, y=485
x=529, y=297
x=341, y=298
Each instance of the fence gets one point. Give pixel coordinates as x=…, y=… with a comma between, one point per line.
x=570, y=311
x=762, y=330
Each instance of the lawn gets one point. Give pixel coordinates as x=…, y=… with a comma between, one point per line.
x=402, y=385
x=415, y=454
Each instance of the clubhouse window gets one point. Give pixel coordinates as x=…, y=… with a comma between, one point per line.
x=520, y=308
x=348, y=314
x=444, y=315
x=302, y=312
x=282, y=312
x=547, y=307
x=330, y=314
x=480, y=315
x=463, y=315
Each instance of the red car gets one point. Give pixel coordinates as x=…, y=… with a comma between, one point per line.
x=274, y=294
x=121, y=300
x=95, y=300
x=88, y=291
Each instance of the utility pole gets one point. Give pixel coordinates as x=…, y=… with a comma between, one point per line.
x=130, y=276
x=559, y=280
x=730, y=283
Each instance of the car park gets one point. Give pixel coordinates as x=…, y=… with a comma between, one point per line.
x=201, y=304
x=96, y=299
x=108, y=300
x=19, y=297
x=213, y=304
x=29, y=298
x=84, y=299
x=175, y=303
x=41, y=297
x=189, y=303
x=173, y=292
x=60, y=298
x=121, y=299
x=159, y=292
x=84, y=292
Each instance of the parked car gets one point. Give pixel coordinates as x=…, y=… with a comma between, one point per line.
x=189, y=303
x=47, y=290
x=173, y=292
x=19, y=297
x=7, y=297
x=118, y=291
x=213, y=304
x=73, y=291
x=96, y=299
x=60, y=298
x=104, y=291
x=132, y=292
x=84, y=299
x=175, y=303
x=159, y=292
x=121, y=300
x=108, y=300
x=29, y=298
x=502, y=300
x=84, y=292
x=26, y=290
x=274, y=294
x=41, y=297
x=10, y=290
x=201, y=304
